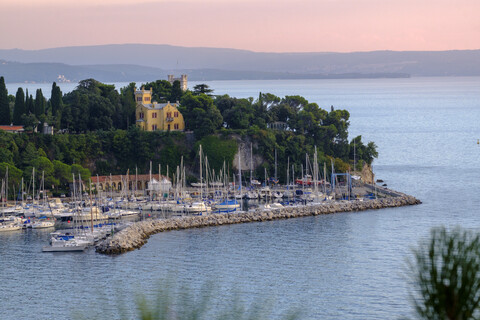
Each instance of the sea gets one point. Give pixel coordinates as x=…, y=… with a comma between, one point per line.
x=341, y=266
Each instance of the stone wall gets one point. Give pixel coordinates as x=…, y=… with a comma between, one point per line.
x=136, y=235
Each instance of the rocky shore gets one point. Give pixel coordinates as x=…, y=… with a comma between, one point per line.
x=136, y=235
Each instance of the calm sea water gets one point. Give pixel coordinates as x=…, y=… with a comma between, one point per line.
x=340, y=266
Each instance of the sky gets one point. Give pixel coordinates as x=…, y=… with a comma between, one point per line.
x=256, y=25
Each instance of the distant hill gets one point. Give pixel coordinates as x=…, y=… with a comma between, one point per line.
x=125, y=62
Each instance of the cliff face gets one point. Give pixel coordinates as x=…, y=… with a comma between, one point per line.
x=247, y=160
x=367, y=174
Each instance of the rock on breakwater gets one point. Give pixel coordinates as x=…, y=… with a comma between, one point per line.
x=136, y=235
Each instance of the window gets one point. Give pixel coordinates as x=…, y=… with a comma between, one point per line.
x=141, y=115
x=154, y=115
x=139, y=99
x=154, y=127
x=147, y=99
x=175, y=114
x=175, y=126
x=169, y=114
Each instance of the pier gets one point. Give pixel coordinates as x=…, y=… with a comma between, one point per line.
x=136, y=235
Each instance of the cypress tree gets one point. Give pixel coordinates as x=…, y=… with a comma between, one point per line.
x=39, y=103
x=30, y=105
x=19, y=108
x=4, y=105
x=56, y=99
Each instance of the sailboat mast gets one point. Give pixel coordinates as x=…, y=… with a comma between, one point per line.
x=201, y=186
x=6, y=186
x=275, y=164
x=251, y=163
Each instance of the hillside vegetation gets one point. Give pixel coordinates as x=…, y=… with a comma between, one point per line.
x=97, y=134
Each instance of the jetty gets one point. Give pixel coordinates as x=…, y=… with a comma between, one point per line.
x=137, y=234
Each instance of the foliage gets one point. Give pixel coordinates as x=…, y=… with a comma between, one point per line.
x=56, y=100
x=79, y=170
x=218, y=150
x=202, y=89
x=4, y=104
x=203, y=116
x=14, y=174
x=105, y=139
x=362, y=152
x=40, y=104
x=19, y=108
x=176, y=93
x=446, y=271
x=173, y=303
x=161, y=90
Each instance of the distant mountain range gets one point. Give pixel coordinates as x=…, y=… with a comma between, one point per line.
x=142, y=62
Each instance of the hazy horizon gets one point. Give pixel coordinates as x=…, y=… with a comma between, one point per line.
x=260, y=26
x=229, y=48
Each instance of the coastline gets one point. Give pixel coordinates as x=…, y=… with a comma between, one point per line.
x=136, y=235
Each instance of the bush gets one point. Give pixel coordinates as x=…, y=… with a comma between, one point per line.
x=446, y=272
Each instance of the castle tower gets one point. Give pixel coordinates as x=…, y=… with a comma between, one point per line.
x=183, y=81
x=143, y=96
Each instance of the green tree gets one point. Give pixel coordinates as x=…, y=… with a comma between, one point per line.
x=4, y=104
x=127, y=100
x=202, y=88
x=19, y=108
x=161, y=90
x=14, y=175
x=446, y=274
x=241, y=114
x=62, y=172
x=29, y=104
x=56, y=101
x=84, y=172
x=200, y=114
x=43, y=166
x=30, y=122
x=40, y=103
x=176, y=93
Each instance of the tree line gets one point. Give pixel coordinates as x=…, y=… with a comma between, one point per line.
x=106, y=139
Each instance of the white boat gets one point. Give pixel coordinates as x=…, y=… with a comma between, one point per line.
x=41, y=224
x=265, y=192
x=65, y=244
x=227, y=205
x=120, y=213
x=197, y=207
x=274, y=205
x=277, y=194
x=198, y=184
x=252, y=195
x=9, y=227
x=288, y=194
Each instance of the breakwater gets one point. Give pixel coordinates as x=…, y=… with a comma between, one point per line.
x=136, y=235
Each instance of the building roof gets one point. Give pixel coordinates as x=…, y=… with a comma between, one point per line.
x=158, y=106
x=11, y=128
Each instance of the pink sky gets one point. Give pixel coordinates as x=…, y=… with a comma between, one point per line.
x=257, y=25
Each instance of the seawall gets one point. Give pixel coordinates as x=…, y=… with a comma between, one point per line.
x=136, y=235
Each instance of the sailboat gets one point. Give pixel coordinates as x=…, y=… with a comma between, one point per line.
x=6, y=225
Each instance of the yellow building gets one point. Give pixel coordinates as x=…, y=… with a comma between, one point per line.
x=153, y=116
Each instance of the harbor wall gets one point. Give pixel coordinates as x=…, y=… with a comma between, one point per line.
x=136, y=235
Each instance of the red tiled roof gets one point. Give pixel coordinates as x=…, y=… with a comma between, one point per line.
x=11, y=128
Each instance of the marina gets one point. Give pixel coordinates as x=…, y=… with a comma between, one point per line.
x=349, y=265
